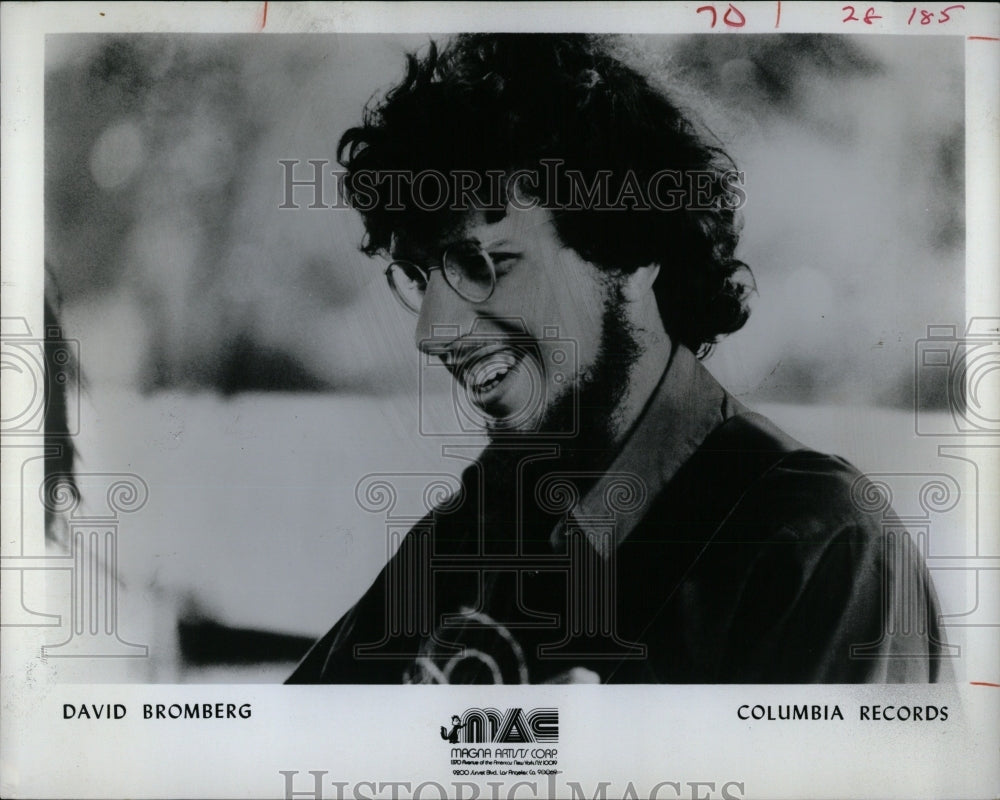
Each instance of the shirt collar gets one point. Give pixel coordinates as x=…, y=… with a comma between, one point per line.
x=687, y=405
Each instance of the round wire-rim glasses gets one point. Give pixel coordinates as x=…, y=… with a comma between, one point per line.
x=467, y=268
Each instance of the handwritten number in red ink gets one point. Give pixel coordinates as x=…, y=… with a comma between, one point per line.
x=927, y=17
x=869, y=15
x=736, y=22
x=945, y=16
x=709, y=8
x=733, y=18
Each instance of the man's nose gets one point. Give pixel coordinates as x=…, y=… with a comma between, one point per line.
x=444, y=316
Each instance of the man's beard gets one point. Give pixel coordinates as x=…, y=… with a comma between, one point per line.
x=583, y=421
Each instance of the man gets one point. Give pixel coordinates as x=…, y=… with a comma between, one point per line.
x=629, y=521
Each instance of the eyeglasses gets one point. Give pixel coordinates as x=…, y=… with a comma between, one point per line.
x=467, y=268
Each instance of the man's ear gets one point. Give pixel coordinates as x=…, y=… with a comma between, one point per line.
x=637, y=286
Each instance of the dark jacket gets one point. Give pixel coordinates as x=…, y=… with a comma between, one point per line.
x=718, y=550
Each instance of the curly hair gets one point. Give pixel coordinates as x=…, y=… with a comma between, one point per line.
x=502, y=103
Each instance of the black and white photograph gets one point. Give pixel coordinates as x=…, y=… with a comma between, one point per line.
x=627, y=381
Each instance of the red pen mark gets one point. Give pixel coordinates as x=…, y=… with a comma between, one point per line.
x=733, y=18
x=869, y=15
x=927, y=16
x=714, y=14
x=985, y=38
x=983, y=683
x=777, y=20
x=263, y=18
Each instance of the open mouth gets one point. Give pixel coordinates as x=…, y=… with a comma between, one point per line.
x=484, y=371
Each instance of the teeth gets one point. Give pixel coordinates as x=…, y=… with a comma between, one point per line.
x=491, y=378
x=494, y=370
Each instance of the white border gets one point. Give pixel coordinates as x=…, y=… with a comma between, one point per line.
x=616, y=734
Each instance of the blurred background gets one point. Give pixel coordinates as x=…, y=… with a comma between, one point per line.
x=251, y=365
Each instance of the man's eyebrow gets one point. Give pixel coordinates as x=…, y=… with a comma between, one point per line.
x=504, y=242
x=402, y=252
x=405, y=252
x=487, y=244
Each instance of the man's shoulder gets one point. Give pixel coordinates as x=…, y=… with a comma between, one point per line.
x=813, y=495
x=763, y=482
x=769, y=560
